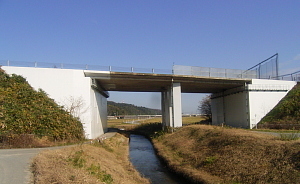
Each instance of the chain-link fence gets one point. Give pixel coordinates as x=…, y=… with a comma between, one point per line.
x=267, y=69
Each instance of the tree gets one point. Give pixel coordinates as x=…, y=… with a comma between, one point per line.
x=75, y=106
x=205, y=107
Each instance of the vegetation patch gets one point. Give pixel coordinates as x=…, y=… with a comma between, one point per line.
x=209, y=154
x=88, y=163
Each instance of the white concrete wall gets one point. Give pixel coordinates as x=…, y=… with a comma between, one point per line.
x=236, y=113
x=230, y=110
x=64, y=84
x=262, y=102
x=217, y=111
x=245, y=109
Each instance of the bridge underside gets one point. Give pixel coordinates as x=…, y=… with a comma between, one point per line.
x=140, y=82
x=170, y=86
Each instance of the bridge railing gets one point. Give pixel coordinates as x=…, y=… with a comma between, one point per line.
x=213, y=72
x=295, y=76
x=83, y=67
x=177, y=70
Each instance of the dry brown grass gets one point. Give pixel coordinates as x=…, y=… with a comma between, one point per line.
x=119, y=123
x=25, y=141
x=192, y=120
x=210, y=154
x=100, y=162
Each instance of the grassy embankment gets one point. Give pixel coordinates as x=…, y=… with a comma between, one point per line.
x=209, y=154
x=101, y=162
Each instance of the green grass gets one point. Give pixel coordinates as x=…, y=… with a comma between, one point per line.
x=289, y=136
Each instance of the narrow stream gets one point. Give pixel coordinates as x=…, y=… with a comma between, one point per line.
x=144, y=159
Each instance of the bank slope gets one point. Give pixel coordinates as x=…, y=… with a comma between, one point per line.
x=209, y=154
x=106, y=161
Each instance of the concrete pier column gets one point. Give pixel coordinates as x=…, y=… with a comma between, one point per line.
x=177, y=109
x=171, y=106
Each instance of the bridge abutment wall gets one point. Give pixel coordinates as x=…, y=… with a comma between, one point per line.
x=245, y=106
x=69, y=87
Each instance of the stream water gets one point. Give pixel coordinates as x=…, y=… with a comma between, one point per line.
x=144, y=159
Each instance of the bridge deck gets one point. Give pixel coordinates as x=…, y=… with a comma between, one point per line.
x=145, y=82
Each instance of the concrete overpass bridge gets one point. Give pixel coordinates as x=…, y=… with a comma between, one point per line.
x=237, y=99
x=171, y=86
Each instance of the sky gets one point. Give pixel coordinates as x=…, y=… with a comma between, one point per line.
x=233, y=34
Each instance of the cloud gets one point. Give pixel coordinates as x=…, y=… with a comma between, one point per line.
x=289, y=70
x=296, y=58
x=290, y=66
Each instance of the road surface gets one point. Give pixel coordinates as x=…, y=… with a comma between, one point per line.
x=15, y=165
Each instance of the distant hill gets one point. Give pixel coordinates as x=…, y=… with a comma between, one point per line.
x=114, y=108
x=286, y=114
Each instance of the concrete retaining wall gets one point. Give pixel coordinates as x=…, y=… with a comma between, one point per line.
x=245, y=108
x=67, y=86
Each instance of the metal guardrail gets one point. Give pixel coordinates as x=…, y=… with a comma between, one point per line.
x=295, y=76
x=177, y=70
x=83, y=67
